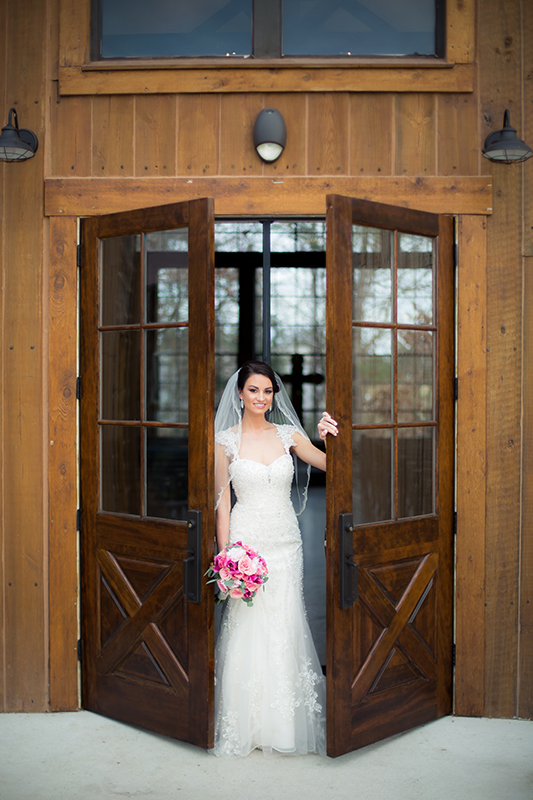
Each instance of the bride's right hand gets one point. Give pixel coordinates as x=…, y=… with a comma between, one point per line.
x=327, y=425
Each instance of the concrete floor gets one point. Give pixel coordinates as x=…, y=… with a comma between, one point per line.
x=82, y=756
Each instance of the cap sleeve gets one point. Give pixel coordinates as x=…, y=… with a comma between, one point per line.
x=228, y=440
x=286, y=433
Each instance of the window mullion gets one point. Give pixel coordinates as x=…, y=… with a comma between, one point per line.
x=266, y=35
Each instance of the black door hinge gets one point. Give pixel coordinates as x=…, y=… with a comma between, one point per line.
x=80, y=651
x=456, y=388
x=455, y=255
x=78, y=256
x=454, y=523
x=453, y=654
x=78, y=519
x=78, y=388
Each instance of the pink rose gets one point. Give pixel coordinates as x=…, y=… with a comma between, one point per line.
x=224, y=573
x=246, y=565
x=236, y=593
x=250, y=585
x=222, y=587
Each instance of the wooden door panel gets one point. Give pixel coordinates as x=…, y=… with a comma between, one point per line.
x=148, y=644
x=389, y=654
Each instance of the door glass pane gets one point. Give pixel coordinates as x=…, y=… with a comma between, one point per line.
x=368, y=27
x=120, y=280
x=415, y=471
x=415, y=279
x=372, y=476
x=167, y=277
x=227, y=315
x=167, y=472
x=120, y=375
x=120, y=465
x=179, y=28
x=415, y=376
x=372, y=365
x=372, y=252
x=167, y=375
x=298, y=314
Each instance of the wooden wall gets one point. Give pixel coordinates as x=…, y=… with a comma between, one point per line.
x=106, y=143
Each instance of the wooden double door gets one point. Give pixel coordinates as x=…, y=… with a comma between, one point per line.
x=146, y=437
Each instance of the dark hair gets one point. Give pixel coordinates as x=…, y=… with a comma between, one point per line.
x=256, y=368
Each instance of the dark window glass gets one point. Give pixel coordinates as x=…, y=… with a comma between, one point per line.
x=359, y=27
x=135, y=28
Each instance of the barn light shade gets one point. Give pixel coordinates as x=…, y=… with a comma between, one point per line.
x=504, y=146
x=270, y=134
x=17, y=144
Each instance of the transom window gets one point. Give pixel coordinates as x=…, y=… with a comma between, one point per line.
x=267, y=28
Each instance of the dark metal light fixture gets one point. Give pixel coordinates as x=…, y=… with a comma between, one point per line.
x=17, y=144
x=504, y=146
x=270, y=134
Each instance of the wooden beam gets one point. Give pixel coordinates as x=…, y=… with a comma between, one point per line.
x=97, y=79
x=471, y=466
x=285, y=196
x=62, y=464
x=460, y=31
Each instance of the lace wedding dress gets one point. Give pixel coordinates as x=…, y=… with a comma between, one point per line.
x=269, y=687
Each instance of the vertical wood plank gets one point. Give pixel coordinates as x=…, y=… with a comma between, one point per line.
x=25, y=612
x=371, y=126
x=62, y=475
x=499, y=52
x=471, y=466
x=71, y=136
x=155, y=135
x=458, y=146
x=113, y=140
x=292, y=160
x=415, y=134
x=525, y=665
x=328, y=134
x=461, y=31
x=3, y=168
x=237, y=118
x=74, y=32
x=198, y=134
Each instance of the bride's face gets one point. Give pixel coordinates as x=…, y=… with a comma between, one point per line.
x=257, y=394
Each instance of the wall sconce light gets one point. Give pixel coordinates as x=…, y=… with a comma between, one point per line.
x=17, y=144
x=270, y=134
x=504, y=146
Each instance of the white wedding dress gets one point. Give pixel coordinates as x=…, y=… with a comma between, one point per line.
x=269, y=687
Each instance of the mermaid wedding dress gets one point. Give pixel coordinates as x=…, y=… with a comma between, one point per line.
x=269, y=687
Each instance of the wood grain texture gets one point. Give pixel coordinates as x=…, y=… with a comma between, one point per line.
x=237, y=151
x=525, y=665
x=461, y=31
x=75, y=80
x=63, y=465
x=288, y=195
x=113, y=147
x=71, y=133
x=328, y=134
x=3, y=41
x=415, y=135
x=198, y=134
x=371, y=134
x=458, y=149
x=471, y=466
x=499, y=51
x=25, y=610
x=155, y=135
x=74, y=32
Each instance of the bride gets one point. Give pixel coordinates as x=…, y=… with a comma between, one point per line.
x=269, y=687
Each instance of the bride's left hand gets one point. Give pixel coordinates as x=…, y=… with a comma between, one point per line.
x=327, y=425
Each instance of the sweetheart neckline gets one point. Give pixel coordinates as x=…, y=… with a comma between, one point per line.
x=253, y=461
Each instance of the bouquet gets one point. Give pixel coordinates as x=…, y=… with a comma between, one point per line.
x=238, y=572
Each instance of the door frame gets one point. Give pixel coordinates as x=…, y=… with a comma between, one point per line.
x=61, y=296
